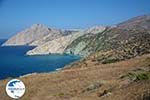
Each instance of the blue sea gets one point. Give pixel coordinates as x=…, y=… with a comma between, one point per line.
x=14, y=62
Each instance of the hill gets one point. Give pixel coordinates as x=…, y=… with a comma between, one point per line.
x=59, y=45
x=115, y=66
x=115, y=43
x=125, y=80
x=35, y=35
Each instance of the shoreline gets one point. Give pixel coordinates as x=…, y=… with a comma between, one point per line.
x=54, y=71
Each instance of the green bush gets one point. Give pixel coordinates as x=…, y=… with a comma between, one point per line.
x=143, y=76
x=107, y=61
x=136, y=76
x=61, y=94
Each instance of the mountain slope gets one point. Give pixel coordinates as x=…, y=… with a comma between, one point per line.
x=115, y=81
x=140, y=22
x=55, y=46
x=35, y=35
x=60, y=44
x=115, y=43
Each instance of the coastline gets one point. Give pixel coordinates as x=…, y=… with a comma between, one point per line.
x=84, y=82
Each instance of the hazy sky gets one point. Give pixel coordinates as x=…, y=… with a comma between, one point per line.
x=16, y=15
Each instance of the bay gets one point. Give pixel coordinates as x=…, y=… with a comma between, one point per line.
x=14, y=62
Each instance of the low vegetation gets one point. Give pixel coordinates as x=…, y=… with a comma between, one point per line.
x=137, y=76
x=91, y=82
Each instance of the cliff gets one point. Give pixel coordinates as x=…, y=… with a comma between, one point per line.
x=36, y=35
x=60, y=44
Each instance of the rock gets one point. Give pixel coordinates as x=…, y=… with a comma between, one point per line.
x=78, y=46
x=93, y=87
x=36, y=35
x=105, y=92
x=95, y=29
x=60, y=44
x=55, y=46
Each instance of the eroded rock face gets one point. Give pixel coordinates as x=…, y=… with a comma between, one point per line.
x=35, y=35
x=59, y=45
x=55, y=46
x=86, y=44
x=95, y=29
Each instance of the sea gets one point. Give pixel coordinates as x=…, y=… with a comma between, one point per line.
x=14, y=62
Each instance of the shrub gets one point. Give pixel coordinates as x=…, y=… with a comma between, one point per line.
x=143, y=76
x=61, y=94
x=107, y=61
x=136, y=76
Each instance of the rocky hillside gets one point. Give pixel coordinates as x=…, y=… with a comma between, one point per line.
x=115, y=43
x=126, y=40
x=84, y=45
x=55, y=46
x=60, y=44
x=140, y=22
x=35, y=35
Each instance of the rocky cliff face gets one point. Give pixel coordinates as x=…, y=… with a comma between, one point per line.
x=35, y=35
x=59, y=45
x=83, y=45
x=55, y=46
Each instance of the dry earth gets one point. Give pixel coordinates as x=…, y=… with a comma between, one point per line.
x=92, y=81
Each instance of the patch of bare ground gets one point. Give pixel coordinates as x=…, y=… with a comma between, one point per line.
x=87, y=81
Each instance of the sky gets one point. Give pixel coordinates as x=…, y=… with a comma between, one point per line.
x=17, y=15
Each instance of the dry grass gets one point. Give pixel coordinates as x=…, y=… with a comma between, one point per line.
x=74, y=83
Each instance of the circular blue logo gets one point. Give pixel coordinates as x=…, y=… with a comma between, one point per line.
x=15, y=88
